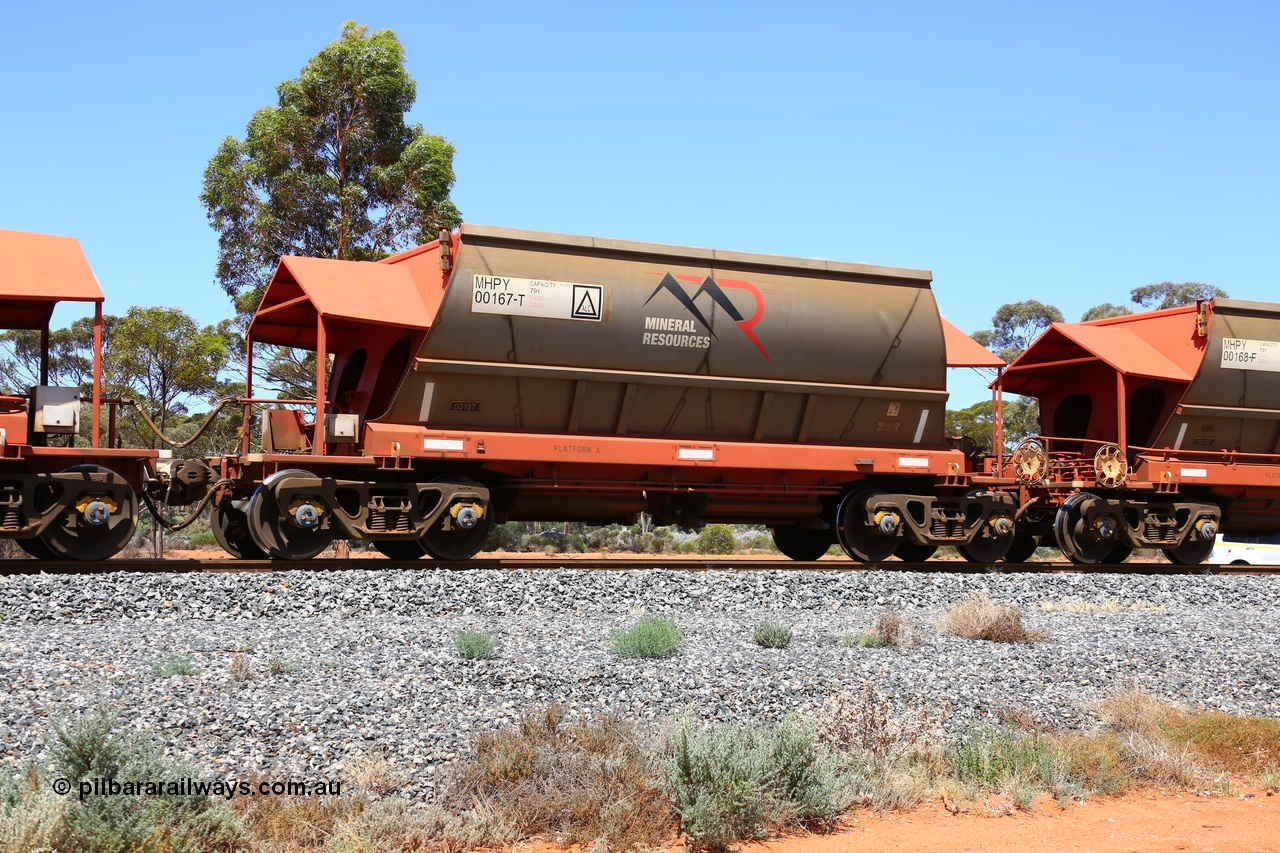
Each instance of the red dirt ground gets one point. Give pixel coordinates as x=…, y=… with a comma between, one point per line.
x=1150, y=821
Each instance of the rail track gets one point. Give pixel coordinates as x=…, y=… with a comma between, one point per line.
x=14, y=567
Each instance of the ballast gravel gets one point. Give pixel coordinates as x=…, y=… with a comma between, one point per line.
x=349, y=666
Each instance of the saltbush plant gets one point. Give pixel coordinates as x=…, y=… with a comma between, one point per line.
x=37, y=814
x=651, y=637
x=737, y=783
x=771, y=635
x=175, y=665
x=475, y=645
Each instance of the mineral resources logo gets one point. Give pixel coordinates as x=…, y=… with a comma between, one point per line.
x=679, y=332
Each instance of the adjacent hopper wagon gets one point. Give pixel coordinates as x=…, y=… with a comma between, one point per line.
x=1160, y=430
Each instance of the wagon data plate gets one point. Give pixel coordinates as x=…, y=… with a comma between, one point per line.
x=1243, y=354
x=531, y=297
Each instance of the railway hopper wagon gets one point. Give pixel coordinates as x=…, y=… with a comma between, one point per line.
x=1160, y=430
x=499, y=374
x=59, y=501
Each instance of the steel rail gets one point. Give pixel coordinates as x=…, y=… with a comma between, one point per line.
x=14, y=567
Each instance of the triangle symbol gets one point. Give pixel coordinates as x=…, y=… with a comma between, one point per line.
x=586, y=307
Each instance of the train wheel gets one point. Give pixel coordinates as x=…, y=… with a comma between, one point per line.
x=230, y=529
x=910, y=552
x=282, y=534
x=1119, y=553
x=92, y=529
x=1073, y=537
x=36, y=548
x=1024, y=545
x=401, y=549
x=986, y=549
x=803, y=545
x=860, y=541
x=459, y=542
x=1191, y=552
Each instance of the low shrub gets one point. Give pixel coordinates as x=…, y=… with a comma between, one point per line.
x=889, y=630
x=737, y=783
x=591, y=783
x=992, y=758
x=281, y=665
x=475, y=645
x=771, y=635
x=175, y=665
x=91, y=749
x=651, y=637
x=863, y=725
x=980, y=618
x=716, y=539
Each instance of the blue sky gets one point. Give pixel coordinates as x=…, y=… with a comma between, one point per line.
x=1062, y=152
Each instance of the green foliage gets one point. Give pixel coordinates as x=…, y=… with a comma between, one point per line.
x=175, y=665
x=1106, y=309
x=475, y=645
x=736, y=783
x=977, y=422
x=994, y=758
x=202, y=540
x=281, y=665
x=771, y=635
x=716, y=539
x=1166, y=294
x=331, y=171
x=162, y=357
x=165, y=821
x=651, y=637
x=1016, y=325
x=70, y=355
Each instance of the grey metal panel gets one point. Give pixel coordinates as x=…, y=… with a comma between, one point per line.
x=835, y=344
x=489, y=234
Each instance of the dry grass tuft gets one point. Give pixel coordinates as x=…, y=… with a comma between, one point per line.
x=1241, y=745
x=240, y=667
x=1107, y=605
x=865, y=724
x=1135, y=711
x=888, y=630
x=587, y=782
x=1022, y=719
x=980, y=618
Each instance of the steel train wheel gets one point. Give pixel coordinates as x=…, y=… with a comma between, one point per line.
x=1119, y=553
x=36, y=548
x=74, y=537
x=1191, y=552
x=1074, y=539
x=458, y=543
x=910, y=552
x=986, y=549
x=803, y=545
x=860, y=541
x=1022, y=547
x=275, y=532
x=230, y=529
x=401, y=549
